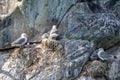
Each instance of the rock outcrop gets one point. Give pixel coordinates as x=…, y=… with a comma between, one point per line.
x=84, y=26
x=48, y=61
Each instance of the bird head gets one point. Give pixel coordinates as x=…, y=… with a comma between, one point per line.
x=54, y=27
x=24, y=35
x=100, y=49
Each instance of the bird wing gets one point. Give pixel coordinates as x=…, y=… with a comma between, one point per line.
x=105, y=55
x=54, y=34
x=20, y=41
x=53, y=31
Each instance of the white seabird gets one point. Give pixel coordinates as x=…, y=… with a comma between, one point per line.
x=104, y=56
x=54, y=32
x=54, y=29
x=22, y=40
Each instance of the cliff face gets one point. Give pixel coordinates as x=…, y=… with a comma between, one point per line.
x=75, y=18
x=78, y=22
x=100, y=19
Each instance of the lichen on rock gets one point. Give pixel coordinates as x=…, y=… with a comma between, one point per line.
x=79, y=22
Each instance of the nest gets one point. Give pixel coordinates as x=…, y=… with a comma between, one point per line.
x=96, y=69
x=51, y=44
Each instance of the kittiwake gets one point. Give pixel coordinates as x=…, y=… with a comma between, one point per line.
x=104, y=56
x=22, y=40
x=54, y=29
x=54, y=32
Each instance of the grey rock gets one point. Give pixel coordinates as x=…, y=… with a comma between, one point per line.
x=114, y=72
x=32, y=16
x=102, y=28
x=3, y=57
x=95, y=7
x=94, y=56
x=87, y=26
x=33, y=19
x=97, y=20
x=77, y=54
x=5, y=37
x=113, y=7
x=12, y=24
x=43, y=64
x=90, y=78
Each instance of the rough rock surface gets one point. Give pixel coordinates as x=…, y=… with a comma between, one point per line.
x=31, y=16
x=44, y=63
x=88, y=26
x=98, y=17
x=80, y=22
x=77, y=54
x=115, y=69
